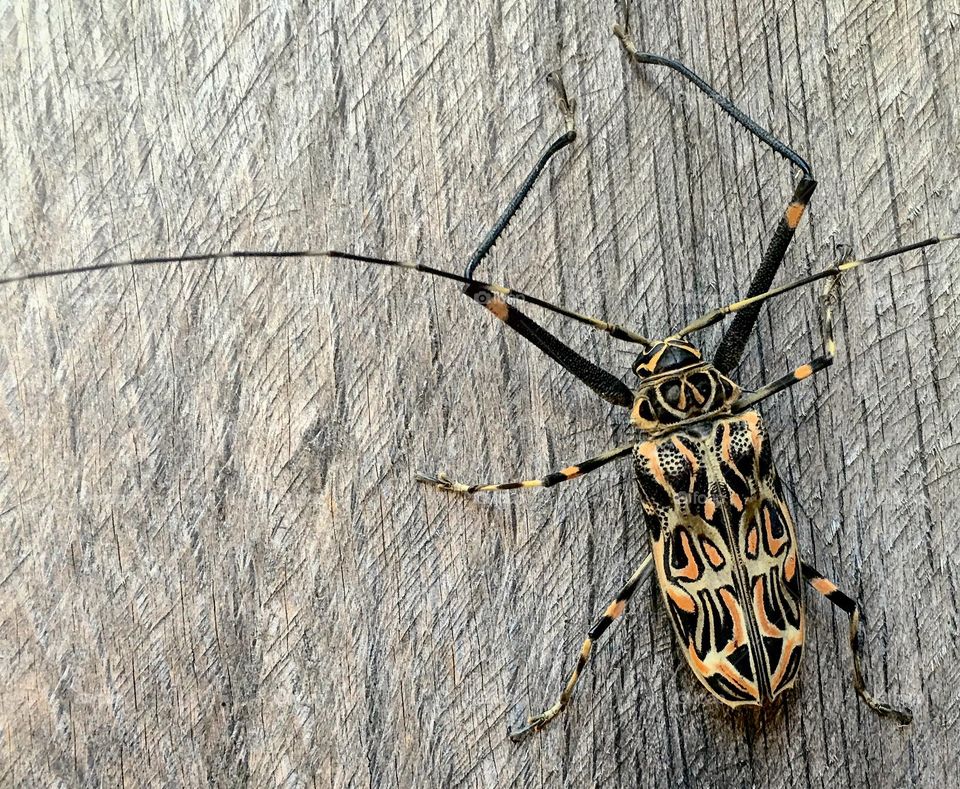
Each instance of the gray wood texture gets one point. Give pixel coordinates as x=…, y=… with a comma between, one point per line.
x=215, y=566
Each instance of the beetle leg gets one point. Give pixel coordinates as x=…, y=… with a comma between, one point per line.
x=613, y=611
x=443, y=482
x=847, y=604
x=735, y=338
x=608, y=386
x=804, y=370
x=566, y=107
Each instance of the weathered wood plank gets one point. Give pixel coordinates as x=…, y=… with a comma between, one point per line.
x=215, y=564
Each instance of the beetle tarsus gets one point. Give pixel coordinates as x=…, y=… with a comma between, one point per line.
x=535, y=724
x=443, y=482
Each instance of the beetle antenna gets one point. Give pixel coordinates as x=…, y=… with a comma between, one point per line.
x=613, y=329
x=835, y=270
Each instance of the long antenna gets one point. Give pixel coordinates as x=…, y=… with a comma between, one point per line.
x=613, y=329
x=834, y=270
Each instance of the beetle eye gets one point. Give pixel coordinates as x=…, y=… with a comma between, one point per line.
x=671, y=393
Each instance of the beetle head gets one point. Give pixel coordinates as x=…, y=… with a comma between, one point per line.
x=665, y=356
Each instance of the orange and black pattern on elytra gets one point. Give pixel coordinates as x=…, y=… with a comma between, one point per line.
x=725, y=554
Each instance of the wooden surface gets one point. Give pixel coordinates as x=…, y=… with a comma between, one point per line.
x=216, y=566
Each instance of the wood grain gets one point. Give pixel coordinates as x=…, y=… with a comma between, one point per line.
x=215, y=566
